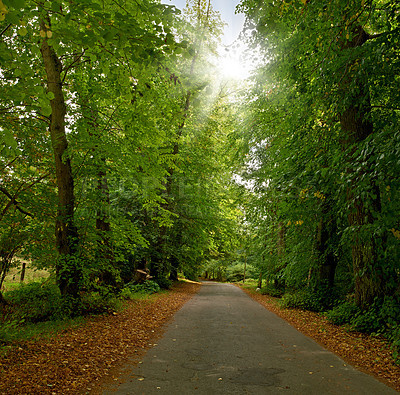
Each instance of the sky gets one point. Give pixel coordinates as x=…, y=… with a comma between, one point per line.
x=227, y=10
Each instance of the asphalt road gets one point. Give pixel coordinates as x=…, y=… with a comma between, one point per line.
x=223, y=342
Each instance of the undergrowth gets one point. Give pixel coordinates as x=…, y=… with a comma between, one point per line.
x=37, y=309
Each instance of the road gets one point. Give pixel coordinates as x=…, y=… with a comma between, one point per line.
x=223, y=342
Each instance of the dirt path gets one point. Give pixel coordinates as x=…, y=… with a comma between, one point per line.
x=223, y=342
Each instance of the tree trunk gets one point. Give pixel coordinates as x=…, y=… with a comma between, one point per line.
x=356, y=127
x=3, y=273
x=23, y=269
x=259, y=285
x=68, y=271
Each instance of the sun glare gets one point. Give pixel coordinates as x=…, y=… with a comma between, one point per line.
x=234, y=64
x=232, y=68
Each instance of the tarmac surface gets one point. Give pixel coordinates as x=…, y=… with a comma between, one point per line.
x=223, y=342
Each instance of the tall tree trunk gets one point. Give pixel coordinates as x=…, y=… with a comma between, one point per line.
x=356, y=127
x=68, y=271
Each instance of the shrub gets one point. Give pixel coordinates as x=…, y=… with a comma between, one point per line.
x=319, y=299
x=343, y=313
x=148, y=287
x=164, y=283
x=390, y=310
x=368, y=321
x=272, y=290
x=7, y=331
x=380, y=317
x=394, y=338
x=235, y=273
x=35, y=302
x=96, y=303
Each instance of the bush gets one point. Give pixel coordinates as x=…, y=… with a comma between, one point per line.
x=164, y=283
x=96, y=303
x=390, y=310
x=368, y=322
x=7, y=332
x=272, y=290
x=394, y=338
x=381, y=316
x=319, y=299
x=343, y=313
x=148, y=287
x=35, y=302
x=235, y=273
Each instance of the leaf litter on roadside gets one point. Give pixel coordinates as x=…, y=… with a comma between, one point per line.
x=78, y=359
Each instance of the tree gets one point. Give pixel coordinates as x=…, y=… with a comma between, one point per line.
x=319, y=81
x=72, y=34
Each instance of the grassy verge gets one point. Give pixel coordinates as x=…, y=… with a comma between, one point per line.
x=37, y=310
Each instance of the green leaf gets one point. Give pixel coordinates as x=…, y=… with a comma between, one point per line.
x=17, y=4
x=9, y=140
x=23, y=31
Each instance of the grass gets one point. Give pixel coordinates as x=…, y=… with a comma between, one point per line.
x=12, y=280
x=250, y=283
x=11, y=333
x=33, y=314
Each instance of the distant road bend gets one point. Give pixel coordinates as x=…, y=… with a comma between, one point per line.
x=223, y=342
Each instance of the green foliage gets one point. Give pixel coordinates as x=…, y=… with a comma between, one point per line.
x=235, y=272
x=11, y=331
x=319, y=299
x=343, y=313
x=164, y=283
x=381, y=318
x=394, y=337
x=8, y=332
x=142, y=141
x=324, y=185
x=272, y=290
x=35, y=302
x=39, y=302
x=369, y=321
x=148, y=287
x=96, y=303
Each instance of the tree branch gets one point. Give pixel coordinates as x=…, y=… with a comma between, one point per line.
x=5, y=29
x=72, y=65
x=13, y=201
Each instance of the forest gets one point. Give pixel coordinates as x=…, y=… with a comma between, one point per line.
x=124, y=150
